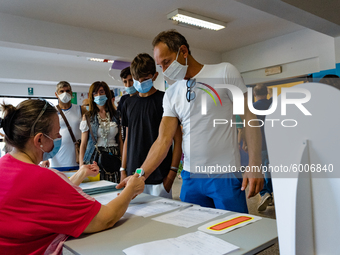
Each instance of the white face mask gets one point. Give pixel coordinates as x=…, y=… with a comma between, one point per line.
x=65, y=97
x=176, y=71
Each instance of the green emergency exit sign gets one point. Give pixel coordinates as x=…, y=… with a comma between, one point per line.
x=30, y=91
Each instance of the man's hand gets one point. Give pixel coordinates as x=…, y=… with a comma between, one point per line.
x=167, y=183
x=255, y=180
x=45, y=163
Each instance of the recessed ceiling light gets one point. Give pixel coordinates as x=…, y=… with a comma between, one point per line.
x=194, y=19
x=104, y=60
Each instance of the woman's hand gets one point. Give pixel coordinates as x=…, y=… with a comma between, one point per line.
x=91, y=170
x=136, y=183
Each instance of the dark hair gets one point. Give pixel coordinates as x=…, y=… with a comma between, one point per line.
x=93, y=108
x=125, y=73
x=331, y=79
x=260, y=90
x=112, y=93
x=172, y=39
x=19, y=121
x=142, y=65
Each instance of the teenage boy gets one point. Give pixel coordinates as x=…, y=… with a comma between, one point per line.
x=127, y=80
x=142, y=115
x=204, y=145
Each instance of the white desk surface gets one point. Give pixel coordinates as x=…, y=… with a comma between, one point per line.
x=135, y=230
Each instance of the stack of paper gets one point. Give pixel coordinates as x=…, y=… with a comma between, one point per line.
x=92, y=188
x=154, y=207
x=190, y=216
x=197, y=243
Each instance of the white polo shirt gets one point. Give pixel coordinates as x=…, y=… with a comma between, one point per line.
x=203, y=144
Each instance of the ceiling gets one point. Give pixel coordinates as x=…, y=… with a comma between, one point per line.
x=248, y=21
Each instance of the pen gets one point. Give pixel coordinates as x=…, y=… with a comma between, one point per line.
x=185, y=207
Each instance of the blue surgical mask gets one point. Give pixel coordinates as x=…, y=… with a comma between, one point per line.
x=100, y=100
x=130, y=90
x=143, y=87
x=56, y=147
x=87, y=107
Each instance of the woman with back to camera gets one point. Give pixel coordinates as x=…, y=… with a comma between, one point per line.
x=41, y=207
x=104, y=121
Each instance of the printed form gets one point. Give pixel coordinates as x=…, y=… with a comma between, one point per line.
x=196, y=243
x=190, y=216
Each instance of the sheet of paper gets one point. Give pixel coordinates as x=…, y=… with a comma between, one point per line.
x=196, y=243
x=154, y=207
x=98, y=184
x=190, y=216
x=106, y=198
x=229, y=223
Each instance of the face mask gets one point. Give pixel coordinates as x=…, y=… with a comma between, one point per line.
x=56, y=147
x=100, y=100
x=176, y=71
x=143, y=87
x=65, y=97
x=87, y=107
x=130, y=90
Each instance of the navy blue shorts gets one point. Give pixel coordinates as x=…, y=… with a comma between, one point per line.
x=221, y=191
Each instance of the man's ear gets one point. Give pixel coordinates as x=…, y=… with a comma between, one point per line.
x=155, y=76
x=184, y=50
x=56, y=94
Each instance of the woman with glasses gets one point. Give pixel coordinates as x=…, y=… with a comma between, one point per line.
x=41, y=207
x=104, y=121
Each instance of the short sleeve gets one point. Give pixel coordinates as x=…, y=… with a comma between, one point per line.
x=83, y=126
x=232, y=76
x=66, y=210
x=167, y=109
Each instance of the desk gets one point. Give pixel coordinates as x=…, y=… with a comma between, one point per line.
x=134, y=230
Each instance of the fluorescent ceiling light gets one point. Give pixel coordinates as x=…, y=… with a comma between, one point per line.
x=101, y=60
x=193, y=19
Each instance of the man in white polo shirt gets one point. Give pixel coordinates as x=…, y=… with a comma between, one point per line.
x=207, y=148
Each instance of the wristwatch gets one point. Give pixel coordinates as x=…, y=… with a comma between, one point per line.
x=140, y=171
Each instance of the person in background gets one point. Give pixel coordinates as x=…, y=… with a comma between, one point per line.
x=126, y=77
x=113, y=99
x=40, y=207
x=65, y=159
x=331, y=79
x=104, y=121
x=86, y=104
x=262, y=103
x=141, y=115
x=207, y=146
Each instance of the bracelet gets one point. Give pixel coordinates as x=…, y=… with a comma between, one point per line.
x=174, y=168
x=122, y=169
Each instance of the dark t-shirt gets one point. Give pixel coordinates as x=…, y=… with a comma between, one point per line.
x=263, y=104
x=142, y=116
x=121, y=102
x=119, y=109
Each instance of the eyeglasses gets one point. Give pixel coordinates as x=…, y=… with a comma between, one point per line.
x=190, y=93
x=39, y=116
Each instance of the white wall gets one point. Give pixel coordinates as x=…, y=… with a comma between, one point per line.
x=298, y=53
